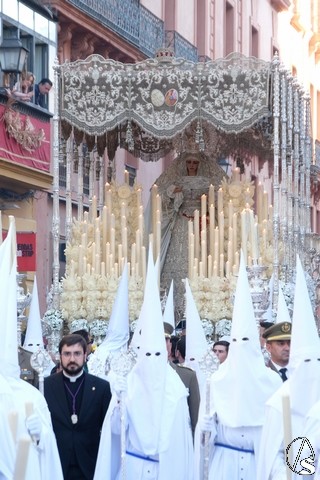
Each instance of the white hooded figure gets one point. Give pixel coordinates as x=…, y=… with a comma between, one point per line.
x=117, y=336
x=168, y=314
x=196, y=343
x=302, y=388
x=16, y=394
x=158, y=442
x=33, y=341
x=311, y=431
x=239, y=390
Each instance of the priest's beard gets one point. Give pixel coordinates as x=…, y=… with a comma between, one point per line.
x=72, y=372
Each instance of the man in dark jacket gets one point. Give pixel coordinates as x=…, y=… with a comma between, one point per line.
x=42, y=89
x=78, y=403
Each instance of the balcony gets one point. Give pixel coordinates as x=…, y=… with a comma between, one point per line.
x=129, y=19
x=25, y=148
x=181, y=46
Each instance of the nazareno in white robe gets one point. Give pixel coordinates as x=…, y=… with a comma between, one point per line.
x=43, y=460
x=175, y=457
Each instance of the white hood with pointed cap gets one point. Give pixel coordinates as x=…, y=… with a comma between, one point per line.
x=243, y=383
x=33, y=339
x=118, y=330
x=153, y=389
x=168, y=314
x=196, y=343
x=304, y=360
x=9, y=365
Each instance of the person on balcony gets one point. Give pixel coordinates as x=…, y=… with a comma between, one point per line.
x=23, y=89
x=42, y=89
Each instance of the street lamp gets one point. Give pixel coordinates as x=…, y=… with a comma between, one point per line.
x=12, y=55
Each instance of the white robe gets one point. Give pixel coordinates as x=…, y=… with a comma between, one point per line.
x=175, y=462
x=43, y=460
x=232, y=464
x=272, y=461
x=312, y=433
x=7, y=450
x=229, y=463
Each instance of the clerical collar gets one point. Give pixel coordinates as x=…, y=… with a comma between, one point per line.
x=73, y=378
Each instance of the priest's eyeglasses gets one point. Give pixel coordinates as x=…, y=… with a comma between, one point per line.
x=76, y=354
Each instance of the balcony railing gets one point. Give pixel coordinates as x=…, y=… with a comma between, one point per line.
x=129, y=19
x=181, y=46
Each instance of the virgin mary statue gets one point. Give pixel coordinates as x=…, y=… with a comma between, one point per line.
x=181, y=186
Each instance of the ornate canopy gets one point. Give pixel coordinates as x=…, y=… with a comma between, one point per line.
x=147, y=107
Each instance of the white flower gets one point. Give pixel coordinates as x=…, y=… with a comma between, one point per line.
x=54, y=319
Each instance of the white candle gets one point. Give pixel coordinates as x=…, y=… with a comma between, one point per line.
x=97, y=264
x=220, y=200
x=209, y=266
x=104, y=228
x=143, y=262
x=139, y=198
x=94, y=208
x=126, y=177
x=221, y=232
x=203, y=257
x=236, y=174
x=211, y=229
x=119, y=252
x=221, y=265
x=201, y=269
x=113, y=242
x=230, y=212
x=13, y=423
x=216, y=244
x=196, y=234
x=235, y=231
x=158, y=239
x=22, y=458
x=265, y=206
x=203, y=205
x=80, y=260
x=211, y=196
x=237, y=259
x=244, y=234
x=191, y=257
x=287, y=427
x=227, y=268
x=215, y=269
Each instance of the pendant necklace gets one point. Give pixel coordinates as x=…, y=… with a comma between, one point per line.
x=74, y=416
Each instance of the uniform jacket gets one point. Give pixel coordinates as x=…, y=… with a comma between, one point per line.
x=27, y=373
x=81, y=439
x=189, y=378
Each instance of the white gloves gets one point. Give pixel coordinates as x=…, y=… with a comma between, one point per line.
x=206, y=423
x=33, y=424
x=119, y=384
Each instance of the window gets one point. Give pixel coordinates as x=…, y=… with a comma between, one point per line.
x=132, y=174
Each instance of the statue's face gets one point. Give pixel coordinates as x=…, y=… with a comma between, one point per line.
x=192, y=166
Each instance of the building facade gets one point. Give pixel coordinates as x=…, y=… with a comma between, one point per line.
x=129, y=31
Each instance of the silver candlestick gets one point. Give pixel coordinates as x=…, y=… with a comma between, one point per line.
x=209, y=363
x=121, y=365
x=40, y=361
x=23, y=301
x=259, y=290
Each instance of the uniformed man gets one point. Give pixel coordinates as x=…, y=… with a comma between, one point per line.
x=278, y=338
x=188, y=377
x=27, y=373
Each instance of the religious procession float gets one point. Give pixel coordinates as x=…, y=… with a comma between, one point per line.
x=232, y=110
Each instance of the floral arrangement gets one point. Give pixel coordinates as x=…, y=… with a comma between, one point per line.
x=53, y=318
x=92, y=297
x=213, y=297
